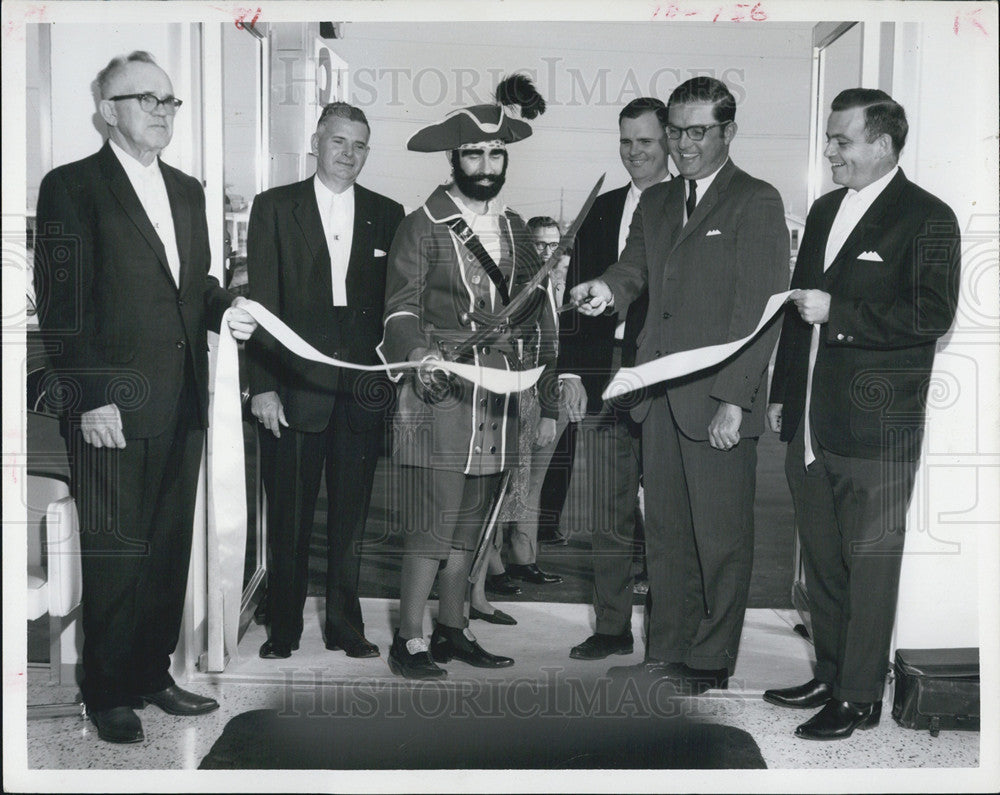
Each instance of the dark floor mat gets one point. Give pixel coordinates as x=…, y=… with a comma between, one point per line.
x=397, y=725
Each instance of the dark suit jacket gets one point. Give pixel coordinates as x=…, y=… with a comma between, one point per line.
x=708, y=283
x=122, y=329
x=876, y=351
x=586, y=344
x=288, y=266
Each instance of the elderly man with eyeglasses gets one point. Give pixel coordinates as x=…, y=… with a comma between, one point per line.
x=125, y=299
x=711, y=248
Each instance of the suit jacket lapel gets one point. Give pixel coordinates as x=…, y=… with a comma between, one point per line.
x=872, y=219
x=705, y=207
x=181, y=212
x=306, y=214
x=120, y=186
x=361, y=245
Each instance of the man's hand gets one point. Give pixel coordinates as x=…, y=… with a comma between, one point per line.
x=574, y=398
x=102, y=427
x=592, y=297
x=724, y=429
x=267, y=408
x=241, y=322
x=813, y=305
x=774, y=416
x=545, y=434
x=432, y=384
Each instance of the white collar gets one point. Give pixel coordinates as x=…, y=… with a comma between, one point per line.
x=704, y=182
x=634, y=191
x=329, y=196
x=871, y=192
x=132, y=166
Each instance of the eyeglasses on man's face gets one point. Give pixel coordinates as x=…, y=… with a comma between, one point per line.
x=546, y=248
x=696, y=132
x=150, y=102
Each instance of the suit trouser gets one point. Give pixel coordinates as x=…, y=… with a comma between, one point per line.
x=611, y=445
x=350, y=458
x=136, y=508
x=851, y=518
x=524, y=532
x=699, y=542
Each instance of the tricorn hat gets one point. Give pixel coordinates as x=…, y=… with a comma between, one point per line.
x=490, y=122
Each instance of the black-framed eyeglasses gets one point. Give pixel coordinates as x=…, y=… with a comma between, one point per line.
x=150, y=102
x=695, y=132
x=548, y=248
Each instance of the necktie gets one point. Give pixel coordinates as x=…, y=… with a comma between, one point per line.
x=692, y=199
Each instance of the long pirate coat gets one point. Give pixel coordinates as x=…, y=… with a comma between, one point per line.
x=433, y=280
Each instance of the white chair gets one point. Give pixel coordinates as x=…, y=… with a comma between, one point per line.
x=54, y=580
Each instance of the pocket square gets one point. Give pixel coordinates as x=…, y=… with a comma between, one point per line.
x=870, y=256
x=711, y=232
x=379, y=252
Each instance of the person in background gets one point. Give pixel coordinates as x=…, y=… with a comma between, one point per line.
x=591, y=349
x=125, y=300
x=455, y=262
x=316, y=257
x=538, y=438
x=876, y=286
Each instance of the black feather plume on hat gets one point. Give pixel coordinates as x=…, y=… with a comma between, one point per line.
x=517, y=89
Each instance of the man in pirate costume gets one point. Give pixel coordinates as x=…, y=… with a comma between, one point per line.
x=454, y=265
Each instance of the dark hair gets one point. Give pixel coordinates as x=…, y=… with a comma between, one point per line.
x=541, y=222
x=637, y=107
x=705, y=89
x=883, y=115
x=115, y=65
x=343, y=110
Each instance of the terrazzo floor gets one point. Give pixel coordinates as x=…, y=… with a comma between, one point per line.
x=771, y=655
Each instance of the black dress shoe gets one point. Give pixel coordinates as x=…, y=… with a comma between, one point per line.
x=448, y=642
x=353, y=646
x=529, y=572
x=178, y=701
x=838, y=720
x=272, y=650
x=410, y=658
x=501, y=585
x=117, y=725
x=600, y=645
x=808, y=696
x=496, y=617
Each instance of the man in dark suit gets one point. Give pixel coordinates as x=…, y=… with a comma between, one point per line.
x=877, y=285
x=121, y=269
x=588, y=356
x=711, y=249
x=316, y=257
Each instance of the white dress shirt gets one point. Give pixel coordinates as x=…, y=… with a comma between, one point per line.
x=631, y=202
x=853, y=206
x=487, y=228
x=337, y=213
x=147, y=181
x=701, y=187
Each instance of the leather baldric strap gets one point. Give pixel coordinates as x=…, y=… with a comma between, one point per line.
x=469, y=239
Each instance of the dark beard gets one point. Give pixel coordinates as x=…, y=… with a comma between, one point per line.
x=469, y=186
x=472, y=187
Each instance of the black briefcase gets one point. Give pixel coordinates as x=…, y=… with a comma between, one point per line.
x=936, y=689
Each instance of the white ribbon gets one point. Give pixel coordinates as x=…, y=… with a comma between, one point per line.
x=227, y=505
x=676, y=365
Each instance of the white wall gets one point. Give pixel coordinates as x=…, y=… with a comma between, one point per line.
x=80, y=51
x=945, y=75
